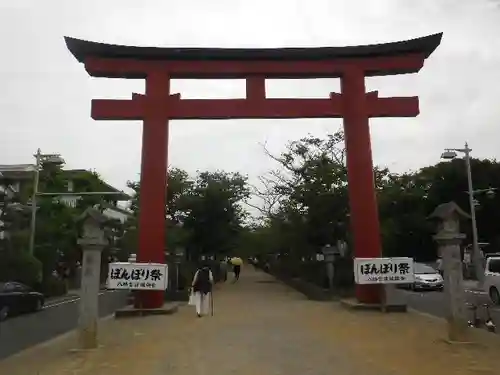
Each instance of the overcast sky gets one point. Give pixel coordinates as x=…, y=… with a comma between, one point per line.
x=46, y=93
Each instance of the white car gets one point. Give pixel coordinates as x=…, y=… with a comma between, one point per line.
x=492, y=279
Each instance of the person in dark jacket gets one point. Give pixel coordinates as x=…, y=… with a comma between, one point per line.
x=202, y=285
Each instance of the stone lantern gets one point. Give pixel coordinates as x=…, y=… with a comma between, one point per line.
x=330, y=252
x=92, y=242
x=449, y=238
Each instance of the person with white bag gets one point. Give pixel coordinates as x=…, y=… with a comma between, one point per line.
x=201, y=290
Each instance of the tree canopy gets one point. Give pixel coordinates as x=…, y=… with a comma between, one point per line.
x=304, y=203
x=204, y=214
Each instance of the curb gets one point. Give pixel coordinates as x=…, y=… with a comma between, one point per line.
x=59, y=300
x=434, y=317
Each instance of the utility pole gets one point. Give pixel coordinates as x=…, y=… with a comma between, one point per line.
x=476, y=253
x=38, y=157
x=477, y=258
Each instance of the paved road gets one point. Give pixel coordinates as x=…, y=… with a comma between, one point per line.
x=433, y=303
x=55, y=319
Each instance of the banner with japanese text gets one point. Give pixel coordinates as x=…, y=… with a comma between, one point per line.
x=137, y=276
x=384, y=270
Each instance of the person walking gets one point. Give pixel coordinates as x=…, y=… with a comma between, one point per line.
x=223, y=270
x=236, y=262
x=237, y=271
x=202, y=286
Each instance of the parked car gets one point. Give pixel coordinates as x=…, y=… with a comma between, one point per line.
x=492, y=278
x=17, y=298
x=426, y=278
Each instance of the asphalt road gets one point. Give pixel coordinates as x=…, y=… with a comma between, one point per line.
x=434, y=303
x=56, y=318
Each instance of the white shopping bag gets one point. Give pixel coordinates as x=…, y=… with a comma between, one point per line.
x=192, y=301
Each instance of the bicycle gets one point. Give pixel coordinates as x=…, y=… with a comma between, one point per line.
x=477, y=322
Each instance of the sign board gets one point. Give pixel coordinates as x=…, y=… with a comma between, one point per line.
x=138, y=276
x=384, y=270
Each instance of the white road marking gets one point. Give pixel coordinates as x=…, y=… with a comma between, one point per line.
x=475, y=291
x=61, y=303
x=72, y=300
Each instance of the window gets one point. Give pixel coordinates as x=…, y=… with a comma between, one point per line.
x=13, y=287
x=423, y=269
x=20, y=287
x=494, y=265
x=8, y=287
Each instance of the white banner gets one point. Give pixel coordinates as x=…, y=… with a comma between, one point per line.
x=137, y=276
x=384, y=270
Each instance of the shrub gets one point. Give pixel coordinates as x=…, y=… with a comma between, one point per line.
x=53, y=287
x=20, y=266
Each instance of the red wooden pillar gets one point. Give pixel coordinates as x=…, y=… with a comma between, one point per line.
x=153, y=179
x=362, y=198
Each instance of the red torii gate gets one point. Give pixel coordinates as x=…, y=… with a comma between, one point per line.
x=157, y=106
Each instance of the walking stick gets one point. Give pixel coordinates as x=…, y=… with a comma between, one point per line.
x=212, y=302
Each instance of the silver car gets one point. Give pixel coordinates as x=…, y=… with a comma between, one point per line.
x=427, y=278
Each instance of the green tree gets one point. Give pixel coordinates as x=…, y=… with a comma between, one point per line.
x=407, y=199
x=203, y=215
x=178, y=187
x=89, y=181
x=14, y=219
x=16, y=264
x=214, y=212
x=304, y=204
x=57, y=231
x=309, y=192
x=403, y=211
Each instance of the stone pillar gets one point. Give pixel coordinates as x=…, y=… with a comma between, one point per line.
x=92, y=243
x=329, y=252
x=449, y=238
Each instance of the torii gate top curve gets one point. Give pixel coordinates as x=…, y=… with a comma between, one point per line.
x=159, y=65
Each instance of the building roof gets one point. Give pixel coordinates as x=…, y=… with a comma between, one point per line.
x=107, y=187
x=12, y=173
x=117, y=209
x=82, y=49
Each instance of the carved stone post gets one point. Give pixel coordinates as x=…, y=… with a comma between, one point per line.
x=92, y=242
x=330, y=252
x=449, y=238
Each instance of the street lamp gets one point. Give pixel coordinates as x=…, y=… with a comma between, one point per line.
x=451, y=153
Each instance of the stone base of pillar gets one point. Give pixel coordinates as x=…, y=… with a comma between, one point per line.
x=458, y=333
x=131, y=311
x=353, y=304
x=87, y=337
